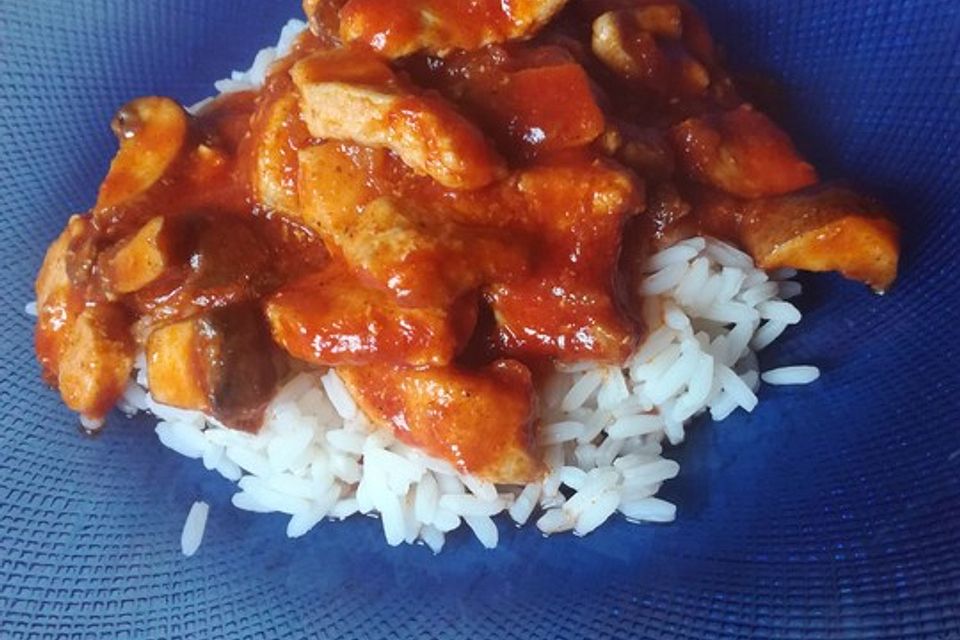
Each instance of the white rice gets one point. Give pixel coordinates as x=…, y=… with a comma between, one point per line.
x=790, y=375
x=317, y=457
x=193, y=528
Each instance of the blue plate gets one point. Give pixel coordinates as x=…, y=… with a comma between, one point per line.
x=833, y=511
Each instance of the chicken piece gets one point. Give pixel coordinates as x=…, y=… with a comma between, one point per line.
x=541, y=109
x=221, y=363
x=96, y=360
x=426, y=264
x=171, y=355
x=562, y=320
x=139, y=260
x=336, y=181
x=422, y=260
x=828, y=228
x=741, y=152
x=60, y=292
x=643, y=44
x=277, y=133
x=353, y=95
x=397, y=28
x=153, y=133
x=482, y=420
x=529, y=99
x=330, y=319
x=83, y=344
x=568, y=309
x=547, y=109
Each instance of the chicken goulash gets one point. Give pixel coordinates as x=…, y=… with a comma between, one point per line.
x=441, y=199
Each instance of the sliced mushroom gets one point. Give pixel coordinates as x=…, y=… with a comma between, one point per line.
x=221, y=363
x=324, y=19
x=153, y=133
x=221, y=261
x=353, y=95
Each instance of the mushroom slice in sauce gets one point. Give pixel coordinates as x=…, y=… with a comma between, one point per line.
x=153, y=133
x=220, y=362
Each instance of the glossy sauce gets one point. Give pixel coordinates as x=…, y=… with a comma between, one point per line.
x=470, y=217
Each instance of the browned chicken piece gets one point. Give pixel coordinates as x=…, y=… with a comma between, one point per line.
x=565, y=321
x=331, y=319
x=643, y=44
x=822, y=228
x=96, y=360
x=546, y=108
x=84, y=346
x=531, y=101
x=423, y=260
x=336, y=181
x=279, y=133
x=827, y=228
x=153, y=133
x=221, y=363
x=568, y=309
x=354, y=95
x=398, y=28
x=61, y=293
x=139, y=260
x=741, y=152
x=428, y=264
x=481, y=420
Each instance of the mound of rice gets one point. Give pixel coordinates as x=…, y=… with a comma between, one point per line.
x=708, y=309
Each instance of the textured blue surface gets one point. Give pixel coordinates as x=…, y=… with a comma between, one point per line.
x=831, y=512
